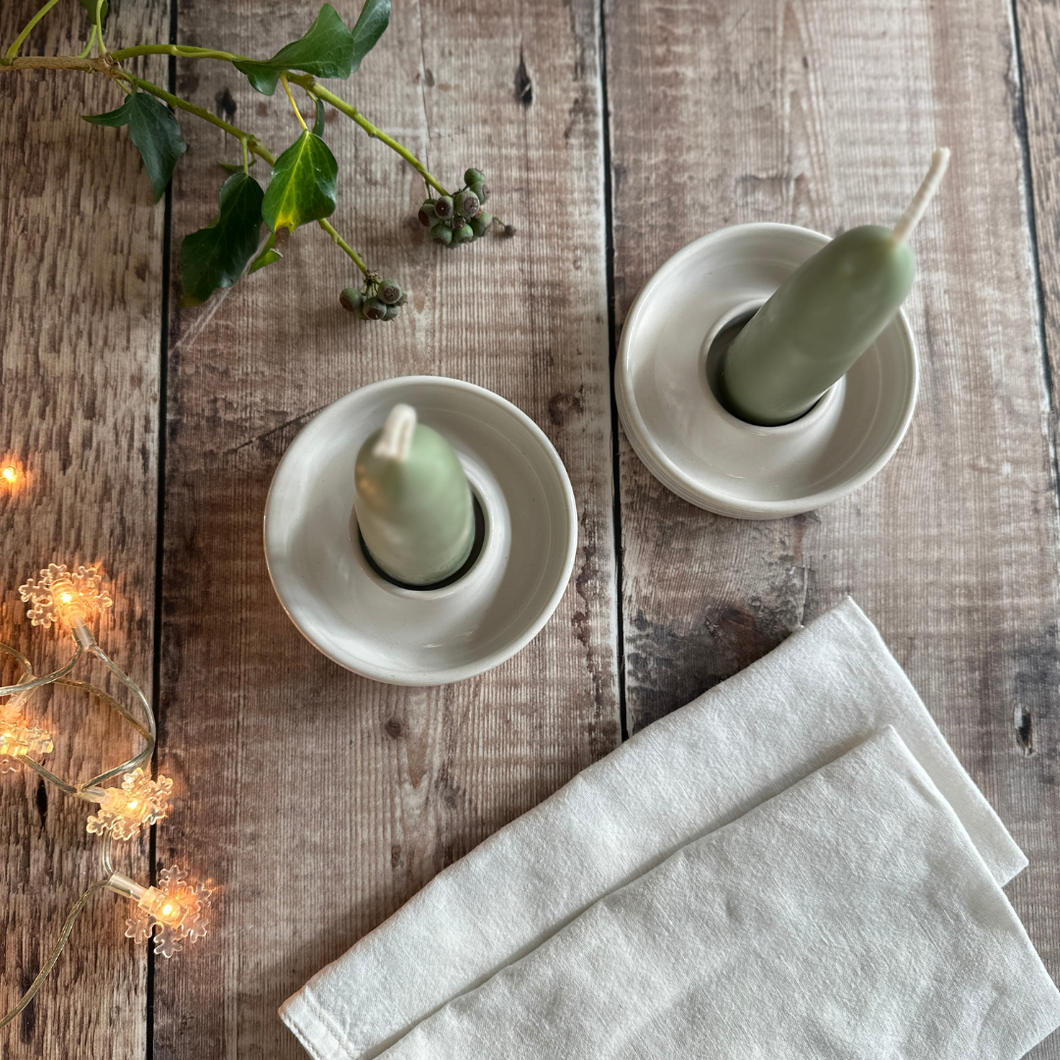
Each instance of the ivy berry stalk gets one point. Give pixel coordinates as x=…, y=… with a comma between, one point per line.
x=303, y=185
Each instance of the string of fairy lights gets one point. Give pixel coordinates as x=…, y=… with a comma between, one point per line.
x=123, y=799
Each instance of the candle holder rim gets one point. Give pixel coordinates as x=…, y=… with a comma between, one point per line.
x=690, y=488
x=564, y=529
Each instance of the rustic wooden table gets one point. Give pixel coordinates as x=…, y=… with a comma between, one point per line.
x=613, y=134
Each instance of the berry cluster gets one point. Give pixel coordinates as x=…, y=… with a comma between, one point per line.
x=458, y=219
x=377, y=300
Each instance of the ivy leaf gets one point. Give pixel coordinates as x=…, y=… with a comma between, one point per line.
x=303, y=184
x=370, y=26
x=318, y=125
x=90, y=7
x=155, y=132
x=267, y=256
x=216, y=255
x=329, y=48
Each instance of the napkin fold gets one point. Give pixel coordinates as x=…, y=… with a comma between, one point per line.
x=849, y=916
x=824, y=691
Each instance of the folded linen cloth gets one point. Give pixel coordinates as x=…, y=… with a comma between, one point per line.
x=825, y=690
x=849, y=916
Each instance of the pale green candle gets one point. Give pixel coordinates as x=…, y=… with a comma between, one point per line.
x=823, y=317
x=413, y=502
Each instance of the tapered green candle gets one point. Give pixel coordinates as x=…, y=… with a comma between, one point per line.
x=823, y=317
x=413, y=501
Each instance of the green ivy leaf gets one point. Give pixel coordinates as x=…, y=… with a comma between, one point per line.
x=267, y=256
x=155, y=132
x=90, y=7
x=318, y=125
x=370, y=26
x=329, y=48
x=303, y=184
x=216, y=255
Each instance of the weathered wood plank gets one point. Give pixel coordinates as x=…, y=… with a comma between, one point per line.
x=80, y=327
x=824, y=114
x=322, y=801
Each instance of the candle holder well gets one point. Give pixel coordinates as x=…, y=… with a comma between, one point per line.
x=696, y=447
x=406, y=635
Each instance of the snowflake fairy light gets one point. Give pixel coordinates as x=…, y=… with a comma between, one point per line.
x=139, y=801
x=174, y=911
x=18, y=737
x=63, y=595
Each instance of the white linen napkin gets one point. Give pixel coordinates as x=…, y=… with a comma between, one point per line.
x=849, y=916
x=825, y=690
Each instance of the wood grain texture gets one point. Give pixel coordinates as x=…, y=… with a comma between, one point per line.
x=80, y=327
x=321, y=800
x=824, y=114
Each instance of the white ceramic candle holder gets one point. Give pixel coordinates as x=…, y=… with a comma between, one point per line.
x=703, y=453
x=408, y=636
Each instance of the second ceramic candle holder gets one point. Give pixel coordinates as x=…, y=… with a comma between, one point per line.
x=666, y=368
x=513, y=581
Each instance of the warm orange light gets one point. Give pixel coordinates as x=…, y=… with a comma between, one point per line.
x=139, y=801
x=10, y=473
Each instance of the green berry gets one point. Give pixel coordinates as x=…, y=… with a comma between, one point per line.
x=467, y=204
x=391, y=312
x=473, y=176
x=464, y=235
x=480, y=225
x=375, y=309
x=390, y=291
x=427, y=214
x=443, y=207
x=482, y=193
x=351, y=299
x=442, y=233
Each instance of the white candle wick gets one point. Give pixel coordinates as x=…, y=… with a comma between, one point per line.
x=924, y=194
x=396, y=440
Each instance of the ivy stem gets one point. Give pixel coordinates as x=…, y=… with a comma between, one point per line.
x=246, y=157
x=200, y=112
x=21, y=38
x=294, y=106
x=344, y=246
x=99, y=30
x=185, y=51
x=88, y=46
x=249, y=142
x=309, y=83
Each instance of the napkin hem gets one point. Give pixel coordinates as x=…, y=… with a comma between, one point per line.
x=312, y=1026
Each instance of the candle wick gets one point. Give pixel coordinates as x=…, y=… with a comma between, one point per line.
x=396, y=440
x=924, y=194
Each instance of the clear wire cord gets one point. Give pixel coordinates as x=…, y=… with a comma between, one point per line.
x=31, y=992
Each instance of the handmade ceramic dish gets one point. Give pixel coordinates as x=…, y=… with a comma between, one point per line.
x=413, y=636
x=700, y=451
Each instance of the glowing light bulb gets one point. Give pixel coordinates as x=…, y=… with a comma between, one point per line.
x=18, y=737
x=139, y=801
x=174, y=912
x=10, y=473
x=63, y=595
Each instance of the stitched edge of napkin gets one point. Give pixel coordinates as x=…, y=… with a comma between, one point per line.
x=307, y=1017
